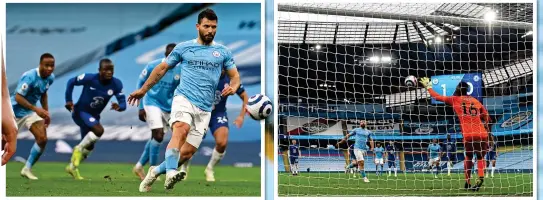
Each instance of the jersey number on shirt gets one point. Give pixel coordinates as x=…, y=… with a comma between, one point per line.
x=469, y=111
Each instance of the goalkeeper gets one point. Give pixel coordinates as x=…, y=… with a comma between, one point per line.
x=474, y=121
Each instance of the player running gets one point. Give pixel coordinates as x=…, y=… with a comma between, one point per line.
x=32, y=87
x=362, y=136
x=391, y=158
x=474, y=121
x=219, y=126
x=379, y=160
x=492, y=155
x=155, y=109
x=294, y=155
x=450, y=148
x=434, y=154
x=202, y=62
x=97, y=90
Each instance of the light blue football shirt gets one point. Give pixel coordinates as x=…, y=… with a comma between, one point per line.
x=31, y=86
x=361, y=137
x=201, y=67
x=161, y=95
x=379, y=152
x=434, y=150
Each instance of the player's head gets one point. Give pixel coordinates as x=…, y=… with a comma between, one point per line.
x=169, y=49
x=207, y=25
x=434, y=141
x=391, y=142
x=363, y=123
x=106, y=69
x=448, y=136
x=378, y=144
x=47, y=64
x=293, y=141
x=461, y=89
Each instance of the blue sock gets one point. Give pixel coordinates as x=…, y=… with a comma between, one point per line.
x=154, y=149
x=161, y=169
x=144, y=158
x=363, y=173
x=35, y=154
x=172, y=159
x=438, y=168
x=350, y=166
x=381, y=169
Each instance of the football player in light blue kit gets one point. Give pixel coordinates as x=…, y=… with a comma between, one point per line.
x=202, y=61
x=155, y=110
x=32, y=87
x=362, y=136
x=434, y=155
x=379, y=160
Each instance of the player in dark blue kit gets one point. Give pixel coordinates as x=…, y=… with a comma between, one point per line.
x=294, y=155
x=391, y=158
x=491, y=155
x=450, y=147
x=218, y=125
x=97, y=90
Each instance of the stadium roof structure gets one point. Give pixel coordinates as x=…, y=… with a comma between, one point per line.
x=361, y=53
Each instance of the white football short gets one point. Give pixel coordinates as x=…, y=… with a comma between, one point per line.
x=28, y=120
x=156, y=118
x=184, y=111
x=359, y=154
x=433, y=160
x=379, y=161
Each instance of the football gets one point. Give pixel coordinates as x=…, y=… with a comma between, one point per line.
x=410, y=81
x=259, y=107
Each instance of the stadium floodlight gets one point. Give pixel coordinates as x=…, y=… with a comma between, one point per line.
x=490, y=16
x=438, y=40
x=386, y=59
x=375, y=59
x=318, y=47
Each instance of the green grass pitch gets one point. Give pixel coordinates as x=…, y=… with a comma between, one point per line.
x=105, y=179
x=410, y=184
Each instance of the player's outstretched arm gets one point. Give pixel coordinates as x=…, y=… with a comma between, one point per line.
x=245, y=98
x=9, y=127
x=119, y=95
x=235, y=82
x=425, y=81
x=154, y=78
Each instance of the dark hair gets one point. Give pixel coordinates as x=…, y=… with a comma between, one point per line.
x=105, y=60
x=169, y=49
x=461, y=89
x=171, y=45
x=46, y=55
x=208, y=14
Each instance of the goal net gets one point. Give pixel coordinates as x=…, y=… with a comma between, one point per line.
x=340, y=64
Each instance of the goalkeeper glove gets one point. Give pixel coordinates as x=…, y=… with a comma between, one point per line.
x=425, y=81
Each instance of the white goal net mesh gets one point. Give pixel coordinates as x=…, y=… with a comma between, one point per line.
x=343, y=63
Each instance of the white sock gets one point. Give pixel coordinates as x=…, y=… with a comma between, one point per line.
x=389, y=171
x=493, y=168
x=449, y=166
x=395, y=171
x=89, y=139
x=185, y=166
x=215, y=158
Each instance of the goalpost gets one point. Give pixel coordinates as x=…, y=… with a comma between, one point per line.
x=340, y=63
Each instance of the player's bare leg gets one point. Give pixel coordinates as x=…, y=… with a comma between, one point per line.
x=362, y=171
x=40, y=135
x=173, y=154
x=150, y=152
x=221, y=139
